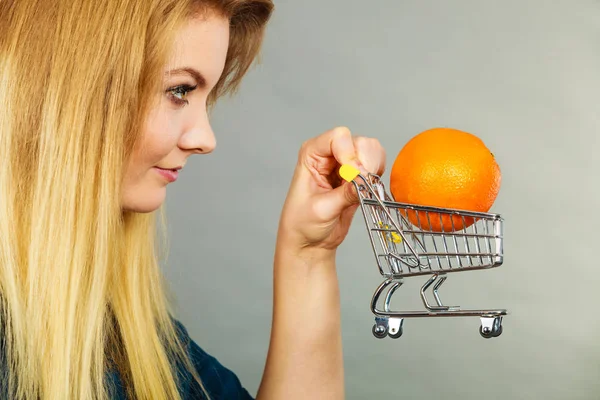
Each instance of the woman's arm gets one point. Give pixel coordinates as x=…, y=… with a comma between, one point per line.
x=305, y=355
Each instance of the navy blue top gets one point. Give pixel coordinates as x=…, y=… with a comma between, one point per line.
x=218, y=381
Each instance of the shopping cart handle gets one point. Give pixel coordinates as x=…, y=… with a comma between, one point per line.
x=348, y=172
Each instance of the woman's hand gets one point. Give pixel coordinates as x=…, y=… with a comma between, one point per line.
x=320, y=205
x=305, y=354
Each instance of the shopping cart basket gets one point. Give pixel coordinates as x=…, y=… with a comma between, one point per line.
x=409, y=240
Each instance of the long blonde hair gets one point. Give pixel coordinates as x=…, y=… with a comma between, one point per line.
x=81, y=290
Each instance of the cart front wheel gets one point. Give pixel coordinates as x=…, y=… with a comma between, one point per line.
x=395, y=327
x=497, y=330
x=379, y=331
x=397, y=334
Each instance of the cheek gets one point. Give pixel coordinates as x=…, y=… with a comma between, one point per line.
x=159, y=139
x=158, y=145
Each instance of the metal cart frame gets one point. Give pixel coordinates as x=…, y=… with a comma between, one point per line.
x=407, y=243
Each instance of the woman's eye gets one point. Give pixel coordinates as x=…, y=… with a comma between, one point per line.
x=178, y=94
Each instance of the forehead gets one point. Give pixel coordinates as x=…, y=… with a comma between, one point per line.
x=202, y=43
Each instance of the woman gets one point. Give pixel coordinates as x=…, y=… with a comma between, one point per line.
x=102, y=103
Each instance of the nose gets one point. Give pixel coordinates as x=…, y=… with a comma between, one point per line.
x=199, y=137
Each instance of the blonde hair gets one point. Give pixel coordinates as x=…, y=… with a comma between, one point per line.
x=81, y=290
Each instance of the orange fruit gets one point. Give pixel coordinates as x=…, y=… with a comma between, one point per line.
x=448, y=168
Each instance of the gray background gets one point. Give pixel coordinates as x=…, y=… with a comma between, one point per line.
x=522, y=75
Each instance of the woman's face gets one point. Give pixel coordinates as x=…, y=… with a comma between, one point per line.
x=178, y=125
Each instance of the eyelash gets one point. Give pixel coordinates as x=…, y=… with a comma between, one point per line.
x=181, y=90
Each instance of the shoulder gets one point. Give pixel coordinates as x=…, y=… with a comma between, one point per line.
x=218, y=380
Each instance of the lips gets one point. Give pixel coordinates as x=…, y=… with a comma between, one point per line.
x=169, y=174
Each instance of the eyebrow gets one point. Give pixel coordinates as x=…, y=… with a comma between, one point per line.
x=191, y=72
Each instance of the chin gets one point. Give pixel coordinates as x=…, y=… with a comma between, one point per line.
x=144, y=203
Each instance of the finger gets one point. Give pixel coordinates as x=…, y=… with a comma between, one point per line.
x=336, y=143
x=370, y=154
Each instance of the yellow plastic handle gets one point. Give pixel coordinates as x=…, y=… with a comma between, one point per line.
x=348, y=172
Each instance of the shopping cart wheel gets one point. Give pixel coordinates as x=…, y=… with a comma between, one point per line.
x=379, y=331
x=497, y=330
x=488, y=330
x=485, y=332
x=395, y=327
x=396, y=335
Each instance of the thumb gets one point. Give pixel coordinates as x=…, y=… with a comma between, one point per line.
x=347, y=191
x=346, y=194
x=331, y=205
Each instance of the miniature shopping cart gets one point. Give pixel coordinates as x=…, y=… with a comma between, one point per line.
x=410, y=240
